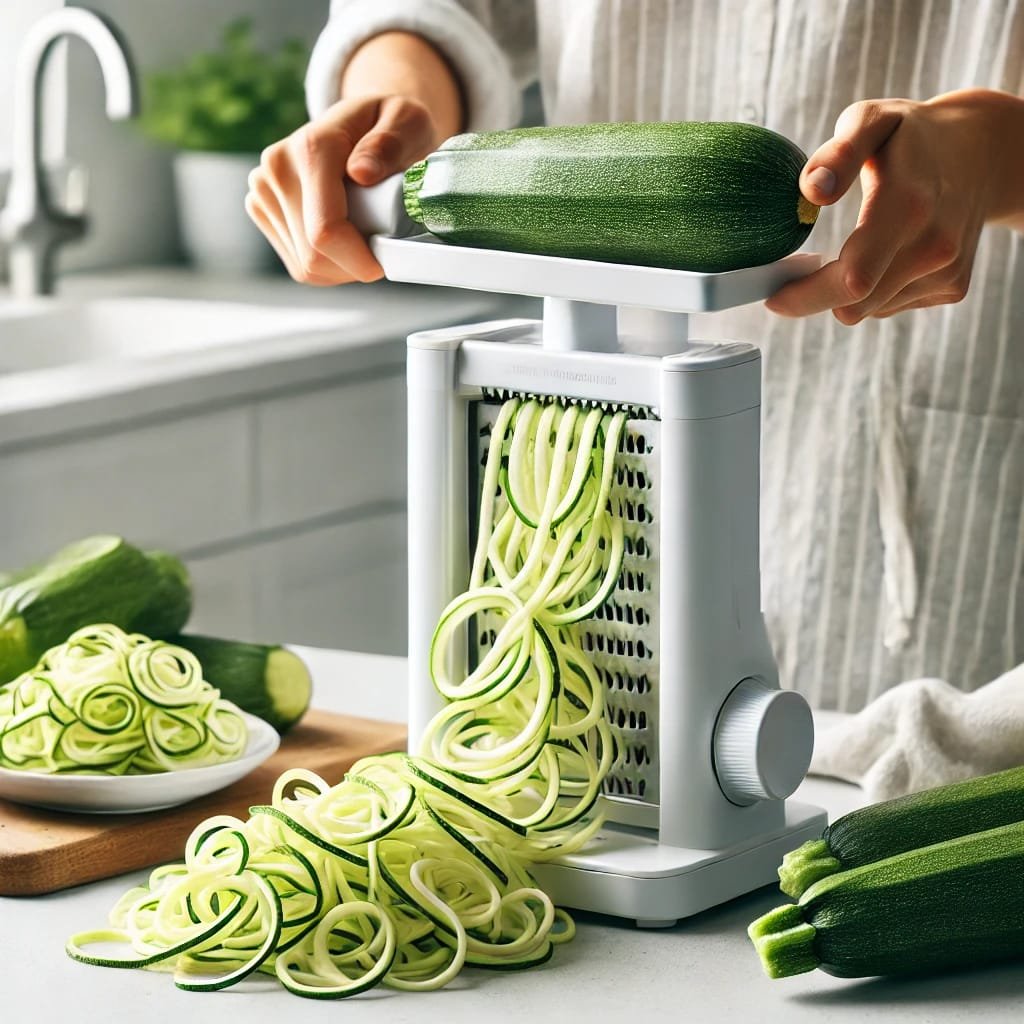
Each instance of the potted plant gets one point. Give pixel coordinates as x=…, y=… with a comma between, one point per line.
x=220, y=110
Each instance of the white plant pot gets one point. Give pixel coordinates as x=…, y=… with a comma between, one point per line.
x=216, y=232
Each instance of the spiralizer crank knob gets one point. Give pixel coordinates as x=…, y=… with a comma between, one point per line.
x=763, y=743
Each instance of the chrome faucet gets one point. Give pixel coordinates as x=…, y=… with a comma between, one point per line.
x=29, y=224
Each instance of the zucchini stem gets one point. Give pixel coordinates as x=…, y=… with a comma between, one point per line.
x=411, y=183
x=802, y=867
x=806, y=211
x=785, y=942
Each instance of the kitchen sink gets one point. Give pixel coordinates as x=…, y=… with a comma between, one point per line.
x=48, y=333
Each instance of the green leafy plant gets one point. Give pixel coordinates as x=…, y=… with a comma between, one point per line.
x=237, y=99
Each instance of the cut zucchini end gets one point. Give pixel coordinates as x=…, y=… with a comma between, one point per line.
x=806, y=211
x=15, y=649
x=411, y=184
x=805, y=865
x=784, y=941
x=289, y=687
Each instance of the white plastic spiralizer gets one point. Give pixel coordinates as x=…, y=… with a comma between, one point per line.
x=709, y=746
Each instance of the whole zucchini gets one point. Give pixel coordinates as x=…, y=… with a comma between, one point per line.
x=97, y=579
x=954, y=904
x=919, y=819
x=266, y=680
x=704, y=196
x=170, y=602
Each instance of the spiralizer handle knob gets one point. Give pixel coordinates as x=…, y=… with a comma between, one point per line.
x=763, y=743
x=379, y=209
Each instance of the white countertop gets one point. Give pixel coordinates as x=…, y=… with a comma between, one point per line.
x=703, y=971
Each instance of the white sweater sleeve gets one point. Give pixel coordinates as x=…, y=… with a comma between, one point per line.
x=490, y=88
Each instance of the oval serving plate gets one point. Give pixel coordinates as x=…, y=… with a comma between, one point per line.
x=131, y=794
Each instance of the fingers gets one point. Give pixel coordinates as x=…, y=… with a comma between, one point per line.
x=937, y=299
x=853, y=276
x=278, y=176
x=929, y=268
x=266, y=214
x=922, y=268
x=861, y=131
x=949, y=285
x=297, y=195
x=402, y=134
x=320, y=209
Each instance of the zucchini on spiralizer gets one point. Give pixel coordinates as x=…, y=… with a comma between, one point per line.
x=700, y=196
x=909, y=822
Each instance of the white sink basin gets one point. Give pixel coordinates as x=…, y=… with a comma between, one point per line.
x=48, y=333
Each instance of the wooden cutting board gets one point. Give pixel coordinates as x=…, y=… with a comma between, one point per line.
x=43, y=851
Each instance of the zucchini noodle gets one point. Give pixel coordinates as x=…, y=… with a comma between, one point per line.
x=107, y=702
x=414, y=866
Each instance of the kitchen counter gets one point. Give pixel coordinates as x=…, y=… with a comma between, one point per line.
x=352, y=333
x=703, y=971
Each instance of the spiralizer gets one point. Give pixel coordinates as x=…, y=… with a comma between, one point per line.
x=709, y=746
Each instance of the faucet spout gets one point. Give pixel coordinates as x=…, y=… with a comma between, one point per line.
x=29, y=223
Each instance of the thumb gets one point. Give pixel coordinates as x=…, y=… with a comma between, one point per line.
x=403, y=133
x=861, y=131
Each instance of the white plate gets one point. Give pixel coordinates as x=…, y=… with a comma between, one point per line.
x=129, y=794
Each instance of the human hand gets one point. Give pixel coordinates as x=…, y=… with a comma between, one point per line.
x=930, y=179
x=297, y=196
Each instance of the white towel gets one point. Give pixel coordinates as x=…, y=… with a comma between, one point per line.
x=925, y=733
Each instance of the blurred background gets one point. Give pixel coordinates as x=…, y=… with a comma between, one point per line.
x=129, y=174
x=177, y=388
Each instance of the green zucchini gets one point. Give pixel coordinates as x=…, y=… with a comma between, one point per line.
x=895, y=826
x=949, y=905
x=268, y=681
x=98, y=579
x=170, y=601
x=703, y=196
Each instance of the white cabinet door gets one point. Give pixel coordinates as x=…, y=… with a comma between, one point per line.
x=338, y=448
x=176, y=484
x=341, y=586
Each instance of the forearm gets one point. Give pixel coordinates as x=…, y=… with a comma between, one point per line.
x=1008, y=114
x=998, y=118
x=404, y=64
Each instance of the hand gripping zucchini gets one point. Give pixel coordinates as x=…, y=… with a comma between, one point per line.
x=954, y=904
x=703, y=196
x=883, y=830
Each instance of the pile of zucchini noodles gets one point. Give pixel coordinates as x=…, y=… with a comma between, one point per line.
x=107, y=702
x=412, y=867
